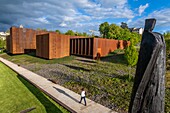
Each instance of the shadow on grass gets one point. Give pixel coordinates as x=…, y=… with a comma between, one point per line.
x=87, y=61
x=76, y=67
x=115, y=58
x=49, y=106
x=33, y=54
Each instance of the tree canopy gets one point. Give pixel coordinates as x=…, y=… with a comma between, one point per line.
x=44, y=29
x=131, y=55
x=2, y=43
x=113, y=31
x=104, y=28
x=58, y=31
x=167, y=40
x=124, y=25
x=72, y=33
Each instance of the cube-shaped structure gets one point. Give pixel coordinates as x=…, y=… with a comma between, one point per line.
x=21, y=40
x=52, y=45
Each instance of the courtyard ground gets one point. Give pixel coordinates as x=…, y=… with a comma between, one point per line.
x=106, y=82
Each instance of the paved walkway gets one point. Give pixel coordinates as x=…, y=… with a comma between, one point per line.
x=61, y=95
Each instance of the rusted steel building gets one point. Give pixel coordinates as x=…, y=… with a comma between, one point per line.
x=52, y=45
x=8, y=43
x=21, y=40
x=91, y=47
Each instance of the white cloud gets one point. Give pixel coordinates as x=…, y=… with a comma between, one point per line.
x=129, y=21
x=42, y=20
x=101, y=13
x=63, y=24
x=65, y=14
x=112, y=3
x=142, y=8
x=85, y=3
x=162, y=17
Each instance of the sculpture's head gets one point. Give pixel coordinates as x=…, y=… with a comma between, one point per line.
x=150, y=24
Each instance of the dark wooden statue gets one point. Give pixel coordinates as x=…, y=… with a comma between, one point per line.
x=149, y=84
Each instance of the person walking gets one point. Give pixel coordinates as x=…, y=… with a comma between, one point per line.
x=83, y=96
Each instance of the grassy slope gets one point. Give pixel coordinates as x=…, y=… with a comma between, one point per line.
x=106, y=82
x=26, y=59
x=17, y=95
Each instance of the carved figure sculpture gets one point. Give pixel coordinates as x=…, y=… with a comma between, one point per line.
x=149, y=84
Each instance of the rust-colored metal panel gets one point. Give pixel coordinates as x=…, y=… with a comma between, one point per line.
x=8, y=43
x=107, y=45
x=90, y=47
x=38, y=45
x=82, y=46
x=52, y=45
x=104, y=46
x=42, y=46
x=22, y=39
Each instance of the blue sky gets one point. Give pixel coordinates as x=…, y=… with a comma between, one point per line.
x=83, y=15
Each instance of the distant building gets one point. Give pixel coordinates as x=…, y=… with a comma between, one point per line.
x=3, y=35
x=137, y=30
x=21, y=26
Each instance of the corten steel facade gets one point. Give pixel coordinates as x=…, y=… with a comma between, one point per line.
x=8, y=43
x=52, y=45
x=90, y=47
x=21, y=40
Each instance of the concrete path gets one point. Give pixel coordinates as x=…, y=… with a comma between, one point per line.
x=61, y=95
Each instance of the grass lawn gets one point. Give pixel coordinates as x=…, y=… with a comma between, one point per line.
x=30, y=58
x=17, y=94
x=106, y=82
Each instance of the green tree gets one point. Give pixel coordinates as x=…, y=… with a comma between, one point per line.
x=44, y=29
x=85, y=34
x=70, y=32
x=124, y=25
x=131, y=55
x=8, y=31
x=58, y=31
x=38, y=29
x=113, y=31
x=104, y=28
x=167, y=40
x=125, y=34
x=2, y=43
x=135, y=37
x=78, y=34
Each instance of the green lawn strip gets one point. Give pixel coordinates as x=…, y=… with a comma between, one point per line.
x=17, y=94
x=167, y=101
x=31, y=58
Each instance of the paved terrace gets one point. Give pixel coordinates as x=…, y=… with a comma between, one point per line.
x=61, y=95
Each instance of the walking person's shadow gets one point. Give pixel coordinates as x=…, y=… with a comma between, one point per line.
x=63, y=92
